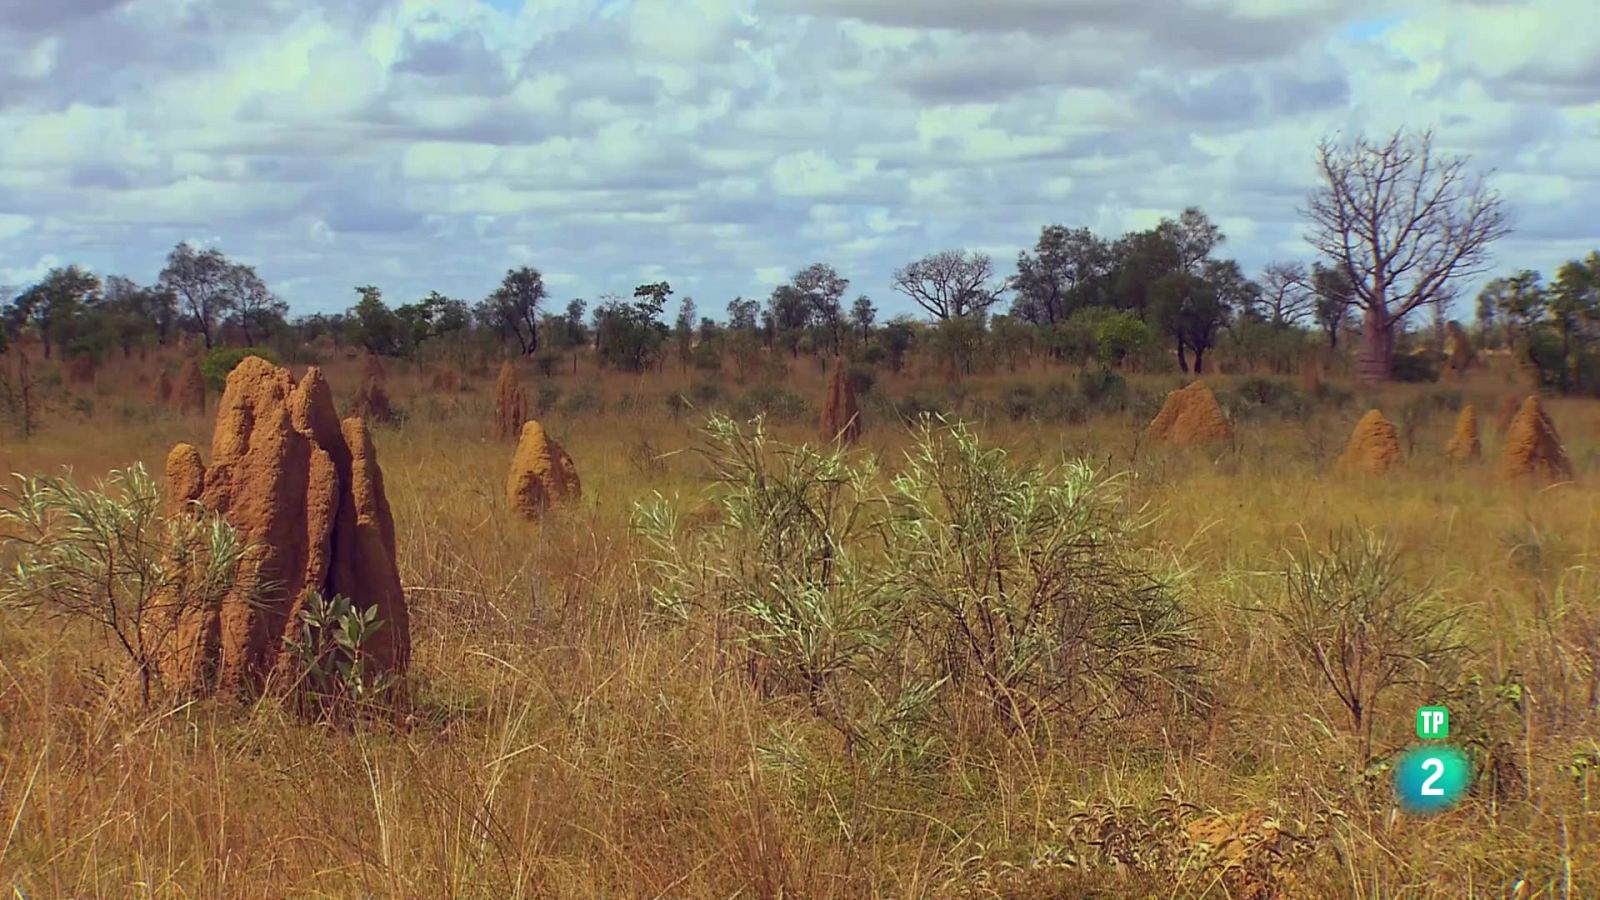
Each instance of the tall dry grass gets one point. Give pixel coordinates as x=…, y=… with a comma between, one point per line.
x=563, y=745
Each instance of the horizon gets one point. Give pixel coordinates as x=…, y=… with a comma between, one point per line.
x=724, y=146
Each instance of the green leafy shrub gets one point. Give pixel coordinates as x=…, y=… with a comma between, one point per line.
x=967, y=584
x=771, y=402
x=217, y=363
x=331, y=650
x=1103, y=389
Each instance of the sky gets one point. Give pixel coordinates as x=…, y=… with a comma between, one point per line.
x=722, y=145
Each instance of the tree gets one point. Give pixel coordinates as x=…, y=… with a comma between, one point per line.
x=788, y=314
x=377, y=328
x=253, y=308
x=513, y=309
x=56, y=306
x=896, y=336
x=683, y=330
x=743, y=315
x=950, y=283
x=823, y=289
x=653, y=297
x=1286, y=293
x=204, y=283
x=628, y=335
x=862, y=315
x=1067, y=269
x=575, y=332
x=1405, y=224
x=1190, y=309
x=1334, y=297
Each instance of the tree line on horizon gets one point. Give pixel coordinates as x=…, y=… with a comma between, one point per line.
x=1398, y=226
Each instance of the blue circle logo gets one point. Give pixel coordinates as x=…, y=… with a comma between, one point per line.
x=1430, y=780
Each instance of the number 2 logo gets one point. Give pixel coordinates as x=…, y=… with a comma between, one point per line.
x=1435, y=765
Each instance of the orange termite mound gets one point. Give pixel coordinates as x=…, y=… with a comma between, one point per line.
x=372, y=402
x=191, y=389
x=1374, y=446
x=305, y=494
x=1532, y=446
x=541, y=473
x=510, y=406
x=1464, y=445
x=1190, y=415
x=841, y=414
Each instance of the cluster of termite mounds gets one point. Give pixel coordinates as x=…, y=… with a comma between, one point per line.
x=1530, y=449
x=305, y=494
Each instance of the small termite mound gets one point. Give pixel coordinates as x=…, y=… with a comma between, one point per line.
x=1464, y=445
x=1532, y=448
x=1374, y=446
x=841, y=413
x=542, y=474
x=510, y=405
x=1190, y=415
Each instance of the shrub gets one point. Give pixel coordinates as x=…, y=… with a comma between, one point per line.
x=970, y=578
x=546, y=396
x=583, y=400
x=108, y=557
x=548, y=362
x=1366, y=628
x=1258, y=395
x=1415, y=367
x=217, y=363
x=705, y=393
x=771, y=402
x=1103, y=389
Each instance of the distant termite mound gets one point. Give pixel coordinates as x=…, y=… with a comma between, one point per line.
x=510, y=406
x=1190, y=415
x=542, y=473
x=1374, y=446
x=372, y=402
x=191, y=389
x=1464, y=445
x=1461, y=355
x=841, y=414
x=305, y=494
x=1532, y=448
x=163, y=388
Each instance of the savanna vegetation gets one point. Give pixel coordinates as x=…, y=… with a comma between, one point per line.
x=1000, y=644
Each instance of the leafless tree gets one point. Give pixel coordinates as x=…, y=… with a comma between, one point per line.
x=1405, y=223
x=950, y=283
x=1286, y=292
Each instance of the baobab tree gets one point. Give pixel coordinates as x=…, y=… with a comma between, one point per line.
x=1406, y=224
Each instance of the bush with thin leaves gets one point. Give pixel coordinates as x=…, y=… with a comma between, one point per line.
x=887, y=603
x=1364, y=625
x=108, y=556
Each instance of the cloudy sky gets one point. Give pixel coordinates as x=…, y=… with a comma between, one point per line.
x=723, y=144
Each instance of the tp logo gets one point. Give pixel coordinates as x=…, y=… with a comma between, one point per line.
x=1432, y=778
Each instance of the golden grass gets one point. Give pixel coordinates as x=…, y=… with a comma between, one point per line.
x=563, y=747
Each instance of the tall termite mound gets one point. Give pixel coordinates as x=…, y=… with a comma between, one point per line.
x=510, y=406
x=1464, y=445
x=1374, y=446
x=372, y=402
x=191, y=389
x=841, y=414
x=541, y=473
x=1190, y=415
x=1461, y=355
x=1532, y=447
x=163, y=388
x=305, y=494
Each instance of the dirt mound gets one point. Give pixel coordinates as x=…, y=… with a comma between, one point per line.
x=1464, y=445
x=185, y=478
x=372, y=402
x=841, y=414
x=1374, y=446
x=80, y=370
x=510, y=405
x=1190, y=415
x=1461, y=355
x=541, y=473
x=1532, y=446
x=311, y=507
x=163, y=388
x=191, y=389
